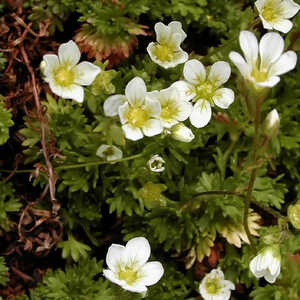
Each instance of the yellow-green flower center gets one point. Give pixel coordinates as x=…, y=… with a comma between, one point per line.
x=163, y=52
x=129, y=275
x=205, y=90
x=259, y=76
x=137, y=116
x=64, y=76
x=212, y=286
x=169, y=110
x=271, y=11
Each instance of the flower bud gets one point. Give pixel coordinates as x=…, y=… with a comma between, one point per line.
x=294, y=214
x=182, y=133
x=42, y=67
x=271, y=124
x=156, y=163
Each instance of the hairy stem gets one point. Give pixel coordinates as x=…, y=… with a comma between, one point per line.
x=82, y=165
x=254, y=170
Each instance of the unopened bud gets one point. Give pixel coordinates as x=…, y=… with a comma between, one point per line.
x=294, y=214
x=182, y=133
x=42, y=67
x=271, y=124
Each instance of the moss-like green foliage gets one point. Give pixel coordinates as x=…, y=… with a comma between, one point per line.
x=3, y=272
x=5, y=121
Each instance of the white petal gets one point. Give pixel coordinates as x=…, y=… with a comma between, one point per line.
x=69, y=53
x=123, y=112
x=270, y=82
x=136, y=288
x=73, y=91
x=152, y=127
x=108, y=274
x=185, y=109
x=194, y=71
x=286, y=62
x=135, y=91
x=86, y=72
x=112, y=104
x=266, y=24
x=269, y=277
x=132, y=133
x=201, y=114
x=283, y=25
x=153, y=107
x=185, y=90
x=270, y=47
x=254, y=267
x=219, y=73
x=290, y=8
x=240, y=63
x=176, y=27
x=223, y=97
x=138, y=250
x=152, y=272
x=249, y=45
x=229, y=285
x=163, y=32
x=170, y=93
x=52, y=63
x=114, y=256
x=274, y=266
x=259, y=5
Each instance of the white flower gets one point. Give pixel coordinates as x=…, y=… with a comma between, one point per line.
x=267, y=264
x=215, y=287
x=109, y=152
x=275, y=13
x=64, y=75
x=182, y=133
x=156, y=163
x=138, y=113
x=173, y=108
x=271, y=123
x=205, y=90
x=128, y=265
x=167, y=52
x=264, y=62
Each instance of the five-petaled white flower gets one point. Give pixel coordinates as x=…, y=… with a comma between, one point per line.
x=156, y=163
x=138, y=113
x=267, y=264
x=215, y=287
x=173, y=108
x=205, y=90
x=109, y=152
x=264, y=61
x=167, y=52
x=64, y=75
x=275, y=13
x=128, y=266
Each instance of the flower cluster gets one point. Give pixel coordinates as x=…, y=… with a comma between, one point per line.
x=146, y=113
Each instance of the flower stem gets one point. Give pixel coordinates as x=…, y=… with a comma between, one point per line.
x=82, y=165
x=254, y=170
